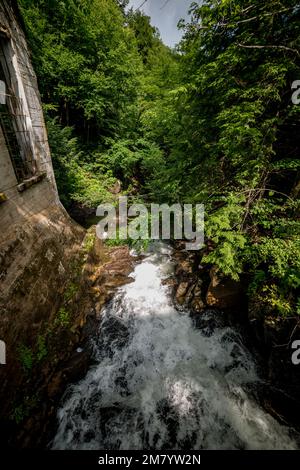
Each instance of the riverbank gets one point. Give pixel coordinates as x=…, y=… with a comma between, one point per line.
x=61, y=352
x=161, y=381
x=267, y=335
x=66, y=279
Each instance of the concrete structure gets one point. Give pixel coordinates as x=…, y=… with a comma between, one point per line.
x=27, y=184
x=39, y=243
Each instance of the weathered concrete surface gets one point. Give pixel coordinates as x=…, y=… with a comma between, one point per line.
x=30, y=129
x=55, y=280
x=36, y=263
x=40, y=246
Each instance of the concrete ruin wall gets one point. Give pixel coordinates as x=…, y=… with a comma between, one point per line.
x=39, y=243
x=19, y=201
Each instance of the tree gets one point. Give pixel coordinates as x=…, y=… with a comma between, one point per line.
x=238, y=147
x=86, y=61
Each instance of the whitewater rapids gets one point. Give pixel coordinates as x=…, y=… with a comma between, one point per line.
x=159, y=382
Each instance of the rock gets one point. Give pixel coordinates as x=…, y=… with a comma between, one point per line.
x=224, y=296
x=184, y=267
x=190, y=294
x=81, y=213
x=198, y=305
x=224, y=293
x=274, y=336
x=197, y=292
x=215, y=276
x=170, y=282
x=94, y=273
x=181, y=292
x=55, y=386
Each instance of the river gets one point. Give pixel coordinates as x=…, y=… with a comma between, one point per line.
x=158, y=382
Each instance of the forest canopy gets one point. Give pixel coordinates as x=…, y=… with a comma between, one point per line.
x=211, y=122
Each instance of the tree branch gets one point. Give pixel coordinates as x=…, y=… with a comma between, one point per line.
x=285, y=48
x=254, y=18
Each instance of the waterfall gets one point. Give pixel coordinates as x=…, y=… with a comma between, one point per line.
x=158, y=382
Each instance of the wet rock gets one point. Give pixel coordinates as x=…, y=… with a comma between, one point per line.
x=190, y=294
x=181, y=292
x=198, y=305
x=198, y=289
x=184, y=267
x=224, y=293
x=274, y=336
x=209, y=321
x=191, y=288
x=170, y=282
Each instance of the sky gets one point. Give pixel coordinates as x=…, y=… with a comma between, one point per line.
x=165, y=16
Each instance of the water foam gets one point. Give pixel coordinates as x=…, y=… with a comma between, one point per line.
x=160, y=383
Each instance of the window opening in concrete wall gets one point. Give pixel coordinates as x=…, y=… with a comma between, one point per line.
x=13, y=120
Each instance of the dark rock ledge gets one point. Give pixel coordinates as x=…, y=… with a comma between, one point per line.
x=269, y=337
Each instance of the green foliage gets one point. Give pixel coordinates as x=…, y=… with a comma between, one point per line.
x=71, y=291
x=136, y=163
x=89, y=241
x=97, y=69
x=62, y=319
x=25, y=358
x=24, y=409
x=213, y=124
x=28, y=356
x=232, y=134
x=42, y=351
x=298, y=306
x=138, y=245
x=275, y=297
x=282, y=258
x=223, y=228
x=147, y=37
x=86, y=60
x=77, y=180
x=19, y=414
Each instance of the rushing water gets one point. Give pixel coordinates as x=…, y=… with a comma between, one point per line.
x=160, y=383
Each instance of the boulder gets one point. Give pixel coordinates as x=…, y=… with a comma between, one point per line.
x=224, y=293
x=198, y=305
x=184, y=268
x=181, y=292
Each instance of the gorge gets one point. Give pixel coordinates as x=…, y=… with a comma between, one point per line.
x=123, y=343
x=160, y=382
